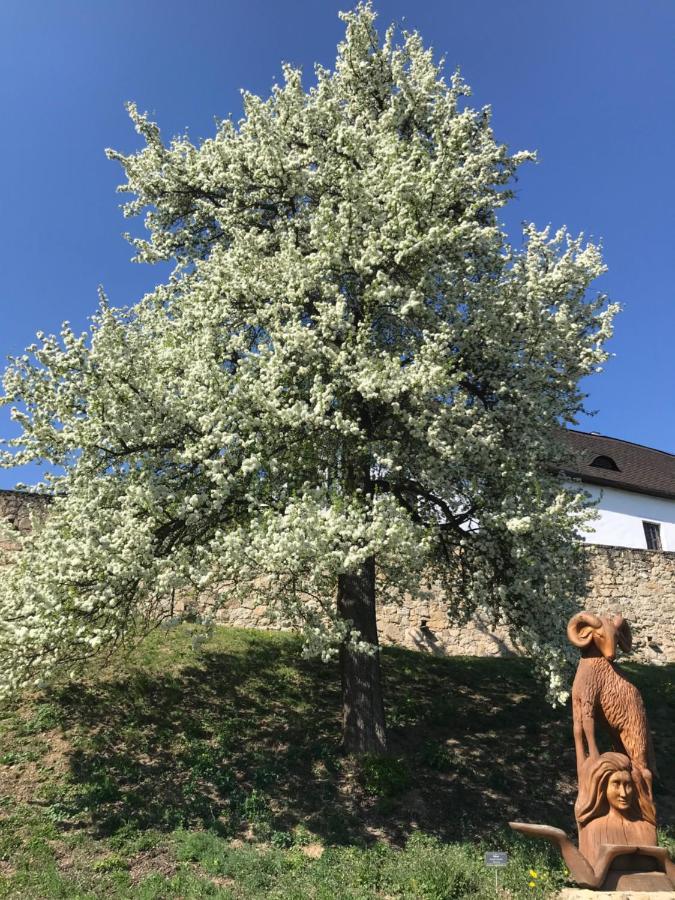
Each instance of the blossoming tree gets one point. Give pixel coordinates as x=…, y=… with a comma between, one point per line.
x=352, y=384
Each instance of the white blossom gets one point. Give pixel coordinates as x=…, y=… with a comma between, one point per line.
x=344, y=297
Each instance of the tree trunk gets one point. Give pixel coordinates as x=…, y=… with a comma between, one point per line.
x=363, y=728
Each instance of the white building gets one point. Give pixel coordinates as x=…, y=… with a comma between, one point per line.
x=634, y=487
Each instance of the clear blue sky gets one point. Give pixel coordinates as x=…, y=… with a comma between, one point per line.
x=589, y=84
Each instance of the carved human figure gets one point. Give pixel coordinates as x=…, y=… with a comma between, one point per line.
x=616, y=826
x=610, y=808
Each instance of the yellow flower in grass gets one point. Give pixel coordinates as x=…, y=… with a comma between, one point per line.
x=532, y=884
x=533, y=874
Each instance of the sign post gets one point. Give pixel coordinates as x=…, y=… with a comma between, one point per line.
x=496, y=860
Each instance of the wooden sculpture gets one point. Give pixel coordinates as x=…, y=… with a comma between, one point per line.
x=614, y=811
x=601, y=692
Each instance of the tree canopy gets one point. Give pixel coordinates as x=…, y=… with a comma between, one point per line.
x=350, y=365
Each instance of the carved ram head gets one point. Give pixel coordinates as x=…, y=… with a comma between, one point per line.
x=599, y=635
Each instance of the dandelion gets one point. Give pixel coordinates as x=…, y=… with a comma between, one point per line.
x=532, y=884
x=533, y=873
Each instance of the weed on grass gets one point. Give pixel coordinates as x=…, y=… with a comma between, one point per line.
x=424, y=868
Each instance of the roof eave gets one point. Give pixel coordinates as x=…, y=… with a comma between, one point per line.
x=623, y=486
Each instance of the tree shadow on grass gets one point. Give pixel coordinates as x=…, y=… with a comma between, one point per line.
x=244, y=738
x=233, y=740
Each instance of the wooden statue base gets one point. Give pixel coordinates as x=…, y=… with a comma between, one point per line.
x=619, y=867
x=650, y=882
x=638, y=873
x=584, y=894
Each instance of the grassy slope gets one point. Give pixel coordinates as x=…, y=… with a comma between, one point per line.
x=218, y=774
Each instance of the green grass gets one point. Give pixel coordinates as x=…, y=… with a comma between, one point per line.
x=219, y=774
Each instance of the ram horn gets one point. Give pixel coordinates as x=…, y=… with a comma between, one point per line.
x=623, y=633
x=580, y=628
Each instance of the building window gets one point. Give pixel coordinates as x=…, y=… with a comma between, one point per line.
x=605, y=462
x=652, y=535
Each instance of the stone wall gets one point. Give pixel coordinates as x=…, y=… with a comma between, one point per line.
x=638, y=583
x=419, y=625
x=16, y=508
x=641, y=585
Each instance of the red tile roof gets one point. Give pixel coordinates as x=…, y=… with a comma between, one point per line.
x=640, y=469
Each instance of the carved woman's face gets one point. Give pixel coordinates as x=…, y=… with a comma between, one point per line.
x=620, y=791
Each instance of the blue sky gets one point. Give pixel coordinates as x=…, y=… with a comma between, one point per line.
x=589, y=84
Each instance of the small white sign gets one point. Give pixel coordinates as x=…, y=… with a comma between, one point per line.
x=496, y=858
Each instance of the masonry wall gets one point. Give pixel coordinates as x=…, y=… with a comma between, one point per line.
x=641, y=585
x=638, y=583
x=16, y=508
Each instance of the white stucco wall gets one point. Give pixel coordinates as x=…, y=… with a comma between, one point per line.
x=622, y=514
